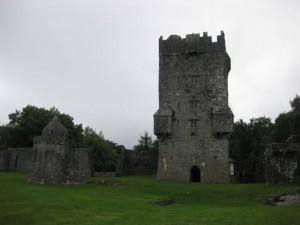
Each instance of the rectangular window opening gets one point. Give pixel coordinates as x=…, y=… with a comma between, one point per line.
x=194, y=105
x=194, y=79
x=194, y=123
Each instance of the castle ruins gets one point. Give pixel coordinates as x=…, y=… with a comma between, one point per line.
x=52, y=159
x=55, y=158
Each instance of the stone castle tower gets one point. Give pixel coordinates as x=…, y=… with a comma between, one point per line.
x=193, y=120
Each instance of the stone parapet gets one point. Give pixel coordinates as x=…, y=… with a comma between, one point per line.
x=191, y=44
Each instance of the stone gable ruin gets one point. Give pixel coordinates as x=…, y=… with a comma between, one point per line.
x=193, y=120
x=55, y=158
x=52, y=159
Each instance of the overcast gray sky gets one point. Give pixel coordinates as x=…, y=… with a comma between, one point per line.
x=97, y=60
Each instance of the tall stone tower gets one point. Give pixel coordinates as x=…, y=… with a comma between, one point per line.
x=193, y=120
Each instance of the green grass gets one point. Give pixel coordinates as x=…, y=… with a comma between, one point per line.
x=129, y=200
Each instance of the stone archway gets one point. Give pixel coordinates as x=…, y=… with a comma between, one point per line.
x=195, y=175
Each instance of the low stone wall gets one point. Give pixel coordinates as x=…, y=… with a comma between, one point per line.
x=16, y=159
x=60, y=163
x=83, y=157
x=104, y=174
x=133, y=163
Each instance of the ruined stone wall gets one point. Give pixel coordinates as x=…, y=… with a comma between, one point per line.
x=48, y=163
x=283, y=161
x=16, y=159
x=53, y=158
x=60, y=163
x=84, y=159
x=21, y=159
x=193, y=119
x=134, y=163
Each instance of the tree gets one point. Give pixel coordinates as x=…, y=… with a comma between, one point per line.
x=260, y=130
x=103, y=153
x=282, y=128
x=287, y=124
x=239, y=141
x=28, y=123
x=295, y=125
x=248, y=141
x=146, y=144
x=4, y=133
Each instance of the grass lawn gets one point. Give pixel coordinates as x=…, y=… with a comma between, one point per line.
x=129, y=200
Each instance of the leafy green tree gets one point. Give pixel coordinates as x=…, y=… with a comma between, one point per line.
x=260, y=130
x=28, y=123
x=239, y=141
x=295, y=125
x=287, y=124
x=4, y=132
x=118, y=148
x=248, y=141
x=146, y=144
x=282, y=127
x=104, y=153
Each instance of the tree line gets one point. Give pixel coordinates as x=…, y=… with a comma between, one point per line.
x=249, y=140
x=29, y=122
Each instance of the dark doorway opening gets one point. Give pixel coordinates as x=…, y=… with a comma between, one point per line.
x=195, y=174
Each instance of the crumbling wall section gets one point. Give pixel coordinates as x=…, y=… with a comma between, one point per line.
x=83, y=157
x=134, y=163
x=55, y=158
x=283, y=161
x=16, y=159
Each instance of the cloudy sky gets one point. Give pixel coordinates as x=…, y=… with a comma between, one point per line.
x=97, y=60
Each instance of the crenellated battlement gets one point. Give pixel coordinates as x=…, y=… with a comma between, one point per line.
x=191, y=44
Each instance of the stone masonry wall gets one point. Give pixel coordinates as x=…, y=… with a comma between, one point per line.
x=134, y=163
x=193, y=119
x=283, y=161
x=83, y=157
x=55, y=158
x=16, y=159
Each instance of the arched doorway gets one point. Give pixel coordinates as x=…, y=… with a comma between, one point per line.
x=195, y=174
